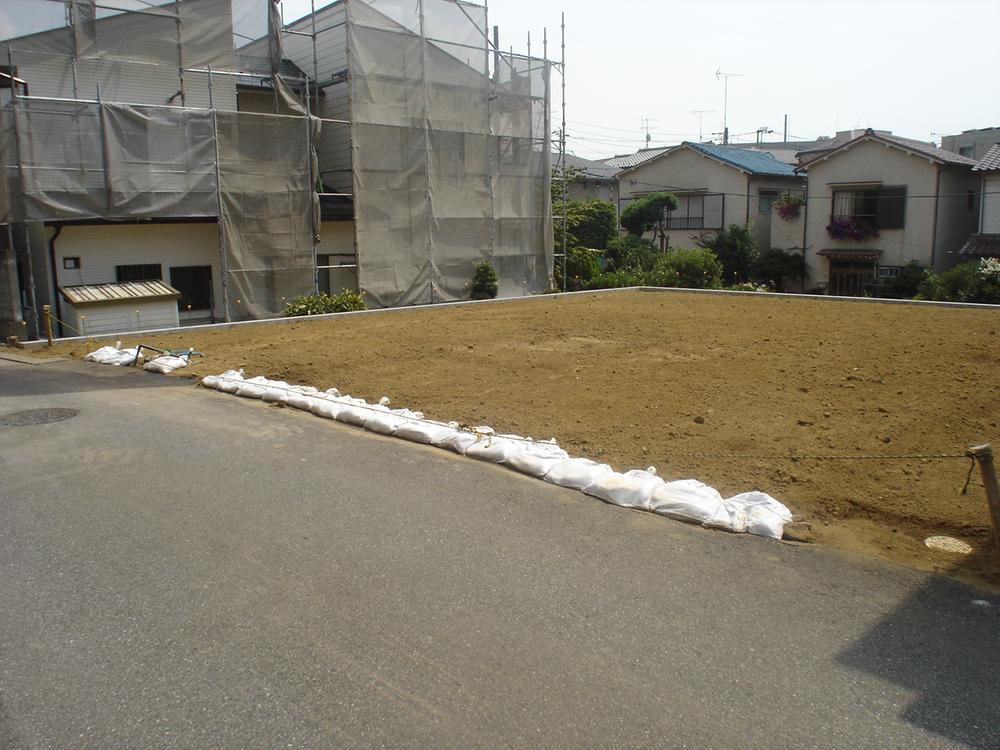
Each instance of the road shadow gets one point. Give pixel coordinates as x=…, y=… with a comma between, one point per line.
x=943, y=643
x=79, y=377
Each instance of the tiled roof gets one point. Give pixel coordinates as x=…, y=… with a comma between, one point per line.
x=982, y=246
x=594, y=170
x=754, y=162
x=909, y=144
x=991, y=161
x=124, y=292
x=627, y=161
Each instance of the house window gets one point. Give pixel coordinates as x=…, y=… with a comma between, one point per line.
x=140, y=272
x=71, y=263
x=966, y=151
x=766, y=200
x=701, y=211
x=888, y=272
x=881, y=208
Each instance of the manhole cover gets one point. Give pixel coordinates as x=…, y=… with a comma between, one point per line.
x=948, y=544
x=36, y=416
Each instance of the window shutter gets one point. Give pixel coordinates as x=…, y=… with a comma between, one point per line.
x=891, y=207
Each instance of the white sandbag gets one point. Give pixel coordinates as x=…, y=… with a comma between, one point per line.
x=165, y=364
x=299, y=401
x=457, y=439
x=322, y=406
x=383, y=421
x=252, y=388
x=576, y=473
x=332, y=392
x=764, y=515
x=689, y=500
x=536, y=458
x=493, y=448
x=354, y=411
x=425, y=431
x=103, y=355
x=276, y=392
x=633, y=489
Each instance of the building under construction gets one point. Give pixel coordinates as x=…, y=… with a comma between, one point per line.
x=381, y=145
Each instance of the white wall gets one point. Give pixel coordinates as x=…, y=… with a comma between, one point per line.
x=101, y=247
x=90, y=320
x=990, y=223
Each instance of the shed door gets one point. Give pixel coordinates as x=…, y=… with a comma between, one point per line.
x=195, y=285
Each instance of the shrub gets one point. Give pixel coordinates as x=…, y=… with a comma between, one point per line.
x=736, y=249
x=697, y=268
x=616, y=280
x=581, y=267
x=484, y=281
x=907, y=284
x=630, y=253
x=322, y=303
x=775, y=265
x=975, y=281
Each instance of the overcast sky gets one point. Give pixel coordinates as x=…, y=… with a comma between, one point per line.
x=917, y=68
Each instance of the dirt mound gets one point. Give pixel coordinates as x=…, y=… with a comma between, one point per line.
x=697, y=385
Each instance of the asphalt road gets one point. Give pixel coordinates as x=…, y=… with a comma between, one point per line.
x=184, y=569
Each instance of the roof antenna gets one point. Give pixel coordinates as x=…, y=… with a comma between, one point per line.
x=725, y=102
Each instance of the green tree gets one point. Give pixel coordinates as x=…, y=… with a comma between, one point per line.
x=736, y=249
x=589, y=223
x=647, y=213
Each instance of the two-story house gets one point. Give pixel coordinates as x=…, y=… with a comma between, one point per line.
x=715, y=186
x=877, y=203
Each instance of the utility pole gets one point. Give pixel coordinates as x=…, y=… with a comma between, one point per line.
x=725, y=102
x=701, y=113
x=761, y=131
x=645, y=127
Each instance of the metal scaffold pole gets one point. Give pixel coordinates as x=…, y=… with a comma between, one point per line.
x=490, y=162
x=562, y=151
x=223, y=264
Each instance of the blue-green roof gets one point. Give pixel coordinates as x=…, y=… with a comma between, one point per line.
x=754, y=162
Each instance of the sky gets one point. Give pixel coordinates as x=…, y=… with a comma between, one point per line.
x=920, y=69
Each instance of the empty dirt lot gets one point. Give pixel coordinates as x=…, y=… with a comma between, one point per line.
x=677, y=380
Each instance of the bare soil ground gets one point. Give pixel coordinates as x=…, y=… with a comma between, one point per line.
x=678, y=380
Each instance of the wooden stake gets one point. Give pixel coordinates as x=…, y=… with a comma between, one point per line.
x=47, y=315
x=984, y=457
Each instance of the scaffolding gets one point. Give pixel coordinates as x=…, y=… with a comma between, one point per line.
x=128, y=110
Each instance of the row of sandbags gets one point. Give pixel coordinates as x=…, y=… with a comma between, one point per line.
x=686, y=500
x=113, y=355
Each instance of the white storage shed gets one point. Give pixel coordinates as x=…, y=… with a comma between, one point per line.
x=93, y=309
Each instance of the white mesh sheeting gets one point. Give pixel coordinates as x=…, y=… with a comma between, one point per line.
x=266, y=211
x=425, y=176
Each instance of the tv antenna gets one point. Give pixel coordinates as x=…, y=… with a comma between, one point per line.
x=725, y=101
x=701, y=113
